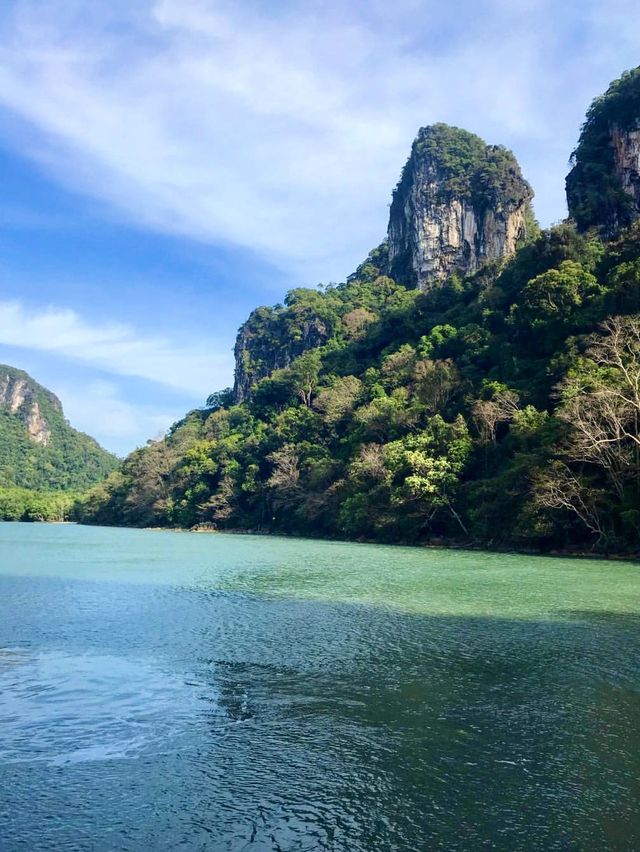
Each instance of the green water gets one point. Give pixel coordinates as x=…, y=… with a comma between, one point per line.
x=162, y=690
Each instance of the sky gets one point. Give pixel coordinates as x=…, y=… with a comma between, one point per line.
x=168, y=165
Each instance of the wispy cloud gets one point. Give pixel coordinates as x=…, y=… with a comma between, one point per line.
x=283, y=127
x=99, y=409
x=114, y=347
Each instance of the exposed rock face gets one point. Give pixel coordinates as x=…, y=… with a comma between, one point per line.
x=38, y=447
x=37, y=426
x=255, y=356
x=604, y=193
x=626, y=158
x=13, y=392
x=459, y=204
x=603, y=187
x=265, y=343
x=19, y=396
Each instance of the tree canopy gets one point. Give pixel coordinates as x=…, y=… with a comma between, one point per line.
x=475, y=412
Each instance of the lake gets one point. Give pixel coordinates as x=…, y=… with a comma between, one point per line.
x=163, y=690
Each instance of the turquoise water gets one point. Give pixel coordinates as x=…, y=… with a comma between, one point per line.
x=162, y=690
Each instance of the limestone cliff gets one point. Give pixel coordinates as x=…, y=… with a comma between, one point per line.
x=603, y=186
x=272, y=337
x=459, y=204
x=38, y=447
x=19, y=394
x=255, y=354
x=626, y=159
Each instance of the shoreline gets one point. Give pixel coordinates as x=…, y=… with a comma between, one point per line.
x=436, y=544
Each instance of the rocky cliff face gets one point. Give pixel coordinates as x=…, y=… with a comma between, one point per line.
x=626, y=160
x=19, y=395
x=603, y=186
x=273, y=337
x=255, y=354
x=459, y=204
x=38, y=447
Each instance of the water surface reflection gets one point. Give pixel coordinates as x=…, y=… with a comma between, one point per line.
x=155, y=716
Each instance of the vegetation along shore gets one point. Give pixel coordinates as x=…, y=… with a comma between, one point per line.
x=476, y=380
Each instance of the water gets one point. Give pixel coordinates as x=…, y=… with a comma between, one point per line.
x=162, y=690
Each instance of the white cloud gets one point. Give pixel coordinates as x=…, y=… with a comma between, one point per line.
x=116, y=348
x=283, y=127
x=98, y=408
x=277, y=127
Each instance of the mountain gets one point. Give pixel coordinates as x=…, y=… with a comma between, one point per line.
x=459, y=204
x=38, y=447
x=475, y=381
x=603, y=187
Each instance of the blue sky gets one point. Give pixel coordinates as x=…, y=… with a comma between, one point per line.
x=167, y=165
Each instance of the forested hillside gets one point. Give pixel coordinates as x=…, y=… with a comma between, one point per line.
x=40, y=453
x=497, y=404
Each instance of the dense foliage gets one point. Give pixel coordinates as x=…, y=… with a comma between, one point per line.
x=594, y=194
x=21, y=504
x=69, y=461
x=500, y=409
x=469, y=169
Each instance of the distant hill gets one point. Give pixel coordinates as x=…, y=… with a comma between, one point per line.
x=38, y=447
